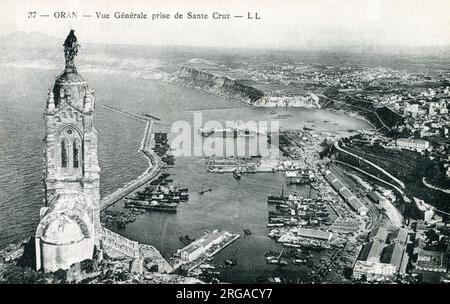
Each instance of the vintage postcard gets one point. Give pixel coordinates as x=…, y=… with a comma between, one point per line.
x=242, y=142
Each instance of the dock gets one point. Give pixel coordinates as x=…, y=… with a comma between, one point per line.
x=194, y=254
x=236, y=236
x=215, y=252
x=154, y=163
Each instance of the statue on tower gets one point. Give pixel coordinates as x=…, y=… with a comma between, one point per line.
x=70, y=49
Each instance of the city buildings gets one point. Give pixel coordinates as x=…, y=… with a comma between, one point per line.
x=412, y=144
x=380, y=234
x=431, y=261
x=346, y=194
x=373, y=270
x=423, y=210
x=383, y=256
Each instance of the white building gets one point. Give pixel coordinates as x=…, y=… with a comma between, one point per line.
x=412, y=144
x=69, y=225
x=199, y=247
x=373, y=270
x=424, y=210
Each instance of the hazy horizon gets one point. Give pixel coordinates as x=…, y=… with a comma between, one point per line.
x=286, y=25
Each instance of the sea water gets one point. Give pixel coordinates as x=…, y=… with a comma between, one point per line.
x=233, y=205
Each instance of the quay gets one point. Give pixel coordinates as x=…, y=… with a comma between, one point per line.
x=234, y=238
x=215, y=252
x=153, y=170
x=194, y=254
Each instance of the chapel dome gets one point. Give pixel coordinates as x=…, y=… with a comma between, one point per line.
x=63, y=229
x=70, y=83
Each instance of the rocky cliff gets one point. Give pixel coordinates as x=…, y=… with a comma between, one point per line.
x=220, y=85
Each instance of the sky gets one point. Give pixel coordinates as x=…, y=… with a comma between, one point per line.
x=288, y=24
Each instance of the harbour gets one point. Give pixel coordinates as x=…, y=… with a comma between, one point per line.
x=244, y=208
x=226, y=159
x=198, y=252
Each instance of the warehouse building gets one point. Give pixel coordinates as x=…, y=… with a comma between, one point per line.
x=398, y=236
x=379, y=260
x=394, y=254
x=316, y=234
x=354, y=203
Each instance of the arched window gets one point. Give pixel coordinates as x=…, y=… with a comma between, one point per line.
x=76, y=153
x=70, y=153
x=64, y=153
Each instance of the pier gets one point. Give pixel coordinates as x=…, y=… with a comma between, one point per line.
x=200, y=261
x=195, y=254
x=154, y=163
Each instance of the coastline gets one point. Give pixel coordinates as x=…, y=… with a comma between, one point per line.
x=167, y=81
x=335, y=111
x=119, y=74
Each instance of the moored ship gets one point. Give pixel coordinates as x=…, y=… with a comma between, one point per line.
x=151, y=205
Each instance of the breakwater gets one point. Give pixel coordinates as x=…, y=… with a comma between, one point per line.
x=154, y=165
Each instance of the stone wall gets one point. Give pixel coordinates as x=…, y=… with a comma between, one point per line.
x=54, y=256
x=113, y=244
x=116, y=246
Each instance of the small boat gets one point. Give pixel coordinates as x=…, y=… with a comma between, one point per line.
x=272, y=260
x=275, y=225
x=247, y=232
x=271, y=199
x=207, y=266
x=230, y=262
x=205, y=190
x=186, y=240
x=283, y=263
x=299, y=262
x=236, y=175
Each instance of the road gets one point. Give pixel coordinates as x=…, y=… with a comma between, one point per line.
x=399, y=182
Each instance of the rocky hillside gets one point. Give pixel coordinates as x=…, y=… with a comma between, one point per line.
x=220, y=85
x=17, y=267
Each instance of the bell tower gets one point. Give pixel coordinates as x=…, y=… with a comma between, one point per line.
x=70, y=220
